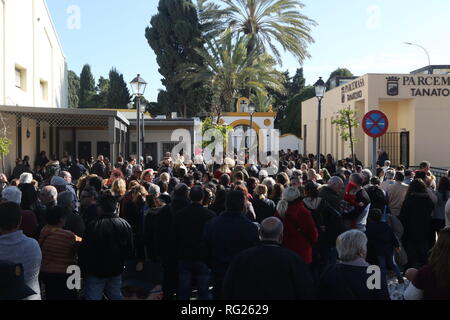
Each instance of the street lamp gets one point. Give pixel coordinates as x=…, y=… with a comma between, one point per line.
x=138, y=86
x=251, y=110
x=320, y=88
x=418, y=45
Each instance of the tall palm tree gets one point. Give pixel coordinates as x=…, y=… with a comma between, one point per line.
x=268, y=22
x=229, y=68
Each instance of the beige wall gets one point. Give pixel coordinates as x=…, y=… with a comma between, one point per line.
x=427, y=118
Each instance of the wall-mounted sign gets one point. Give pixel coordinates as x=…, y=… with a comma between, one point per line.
x=347, y=93
x=440, y=85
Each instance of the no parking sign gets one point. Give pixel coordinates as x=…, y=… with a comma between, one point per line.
x=375, y=124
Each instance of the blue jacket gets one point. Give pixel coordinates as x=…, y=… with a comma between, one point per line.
x=225, y=236
x=18, y=248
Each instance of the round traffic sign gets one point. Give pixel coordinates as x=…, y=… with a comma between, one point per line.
x=375, y=124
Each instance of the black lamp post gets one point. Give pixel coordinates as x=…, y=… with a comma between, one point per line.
x=138, y=86
x=251, y=110
x=320, y=88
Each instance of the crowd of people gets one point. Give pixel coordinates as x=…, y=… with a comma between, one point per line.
x=187, y=230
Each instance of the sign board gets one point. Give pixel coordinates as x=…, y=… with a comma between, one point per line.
x=375, y=124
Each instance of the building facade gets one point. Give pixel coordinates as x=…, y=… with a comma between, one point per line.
x=33, y=68
x=417, y=107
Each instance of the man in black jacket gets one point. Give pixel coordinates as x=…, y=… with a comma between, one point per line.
x=226, y=236
x=107, y=243
x=165, y=241
x=248, y=276
x=189, y=225
x=99, y=168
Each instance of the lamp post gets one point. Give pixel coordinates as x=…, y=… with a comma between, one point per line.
x=320, y=88
x=251, y=110
x=418, y=45
x=138, y=86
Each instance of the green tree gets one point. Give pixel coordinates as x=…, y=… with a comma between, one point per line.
x=5, y=143
x=346, y=123
x=118, y=95
x=100, y=100
x=174, y=36
x=267, y=22
x=339, y=72
x=291, y=122
x=297, y=83
x=228, y=69
x=74, y=87
x=87, y=87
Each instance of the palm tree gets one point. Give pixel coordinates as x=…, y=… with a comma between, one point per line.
x=228, y=68
x=263, y=101
x=268, y=22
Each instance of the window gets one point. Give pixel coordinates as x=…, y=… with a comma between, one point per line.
x=20, y=78
x=167, y=147
x=44, y=89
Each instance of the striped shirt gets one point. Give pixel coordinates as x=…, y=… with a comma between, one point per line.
x=58, y=249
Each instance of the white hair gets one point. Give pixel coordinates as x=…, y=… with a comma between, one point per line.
x=263, y=174
x=154, y=189
x=387, y=163
x=25, y=178
x=367, y=174
x=198, y=159
x=12, y=194
x=269, y=183
x=351, y=245
x=289, y=195
x=390, y=174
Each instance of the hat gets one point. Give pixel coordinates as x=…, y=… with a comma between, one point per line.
x=12, y=194
x=12, y=282
x=144, y=275
x=58, y=181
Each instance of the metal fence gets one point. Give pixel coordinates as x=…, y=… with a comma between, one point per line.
x=437, y=172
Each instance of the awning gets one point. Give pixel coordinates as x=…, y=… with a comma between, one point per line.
x=64, y=117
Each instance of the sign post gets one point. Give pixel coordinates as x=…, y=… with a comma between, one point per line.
x=375, y=124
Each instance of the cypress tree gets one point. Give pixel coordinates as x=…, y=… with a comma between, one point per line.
x=174, y=34
x=74, y=87
x=118, y=95
x=87, y=87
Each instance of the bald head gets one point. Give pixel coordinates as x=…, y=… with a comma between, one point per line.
x=271, y=230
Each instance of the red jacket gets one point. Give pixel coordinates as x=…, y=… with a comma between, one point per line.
x=298, y=218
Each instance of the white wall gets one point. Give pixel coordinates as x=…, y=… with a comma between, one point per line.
x=292, y=142
x=29, y=40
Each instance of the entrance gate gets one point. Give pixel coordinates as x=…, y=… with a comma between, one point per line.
x=396, y=144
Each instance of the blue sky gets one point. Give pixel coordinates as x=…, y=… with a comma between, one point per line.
x=363, y=36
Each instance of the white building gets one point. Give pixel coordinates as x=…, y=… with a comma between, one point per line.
x=33, y=68
x=33, y=74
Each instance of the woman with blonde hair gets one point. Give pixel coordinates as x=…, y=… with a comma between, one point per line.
x=300, y=232
x=263, y=206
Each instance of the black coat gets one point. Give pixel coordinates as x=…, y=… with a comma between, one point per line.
x=106, y=244
x=268, y=272
x=264, y=208
x=381, y=240
x=164, y=237
x=189, y=225
x=346, y=282
x=415, y=216
x=226, y=236
x=99, y=169
x=333, y=198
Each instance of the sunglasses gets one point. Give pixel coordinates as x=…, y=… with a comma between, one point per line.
x=129, y=292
